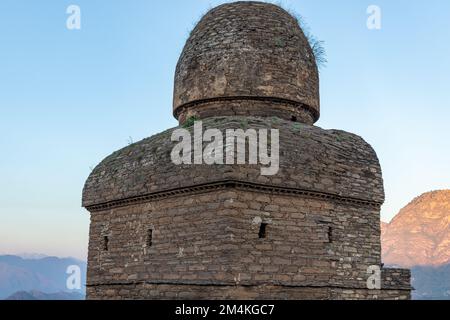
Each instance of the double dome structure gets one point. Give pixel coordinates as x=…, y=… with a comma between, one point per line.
x=162, y=230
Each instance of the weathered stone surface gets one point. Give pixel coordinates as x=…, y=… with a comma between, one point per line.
x=244, y=52
x=216, y=240
x=311, y=158
x=265, y=292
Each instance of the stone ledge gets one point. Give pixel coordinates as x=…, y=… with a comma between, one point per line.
x=207, y=283
x=278, y=107
x=202, y=188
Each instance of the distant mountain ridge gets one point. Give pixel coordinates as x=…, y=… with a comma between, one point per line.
x=30, y=256
x=431, y=283
x=47, y=275
x=38, y=295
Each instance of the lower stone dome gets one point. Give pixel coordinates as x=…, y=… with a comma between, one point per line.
x=330, y=162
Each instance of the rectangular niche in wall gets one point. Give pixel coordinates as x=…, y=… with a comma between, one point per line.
x=149, y=240
x=105, y=243
x=262, y=231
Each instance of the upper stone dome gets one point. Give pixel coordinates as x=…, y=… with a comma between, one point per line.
x=247, y=58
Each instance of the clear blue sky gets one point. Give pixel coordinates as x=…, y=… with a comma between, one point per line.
x=70, y=98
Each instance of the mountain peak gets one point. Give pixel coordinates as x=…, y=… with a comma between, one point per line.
x=420, y=233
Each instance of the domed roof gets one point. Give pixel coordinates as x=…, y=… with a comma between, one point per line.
x=328, y=163
x=248, y=51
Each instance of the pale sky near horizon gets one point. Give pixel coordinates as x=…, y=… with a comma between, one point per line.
x=69, y=98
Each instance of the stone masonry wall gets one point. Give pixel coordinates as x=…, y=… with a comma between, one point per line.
x=312, y=247
x=212, y=292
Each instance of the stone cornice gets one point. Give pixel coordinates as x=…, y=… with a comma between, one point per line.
x=231, y=184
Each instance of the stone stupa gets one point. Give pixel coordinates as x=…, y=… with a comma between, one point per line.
x=311, y=231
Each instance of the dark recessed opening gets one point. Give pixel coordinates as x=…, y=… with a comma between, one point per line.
x=105, y=243
x=330, y=234
x=262, y=231
x=294, y=118
x=149, y=237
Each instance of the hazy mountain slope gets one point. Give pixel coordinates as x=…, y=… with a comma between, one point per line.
x=47, y=274
x=431, y=282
